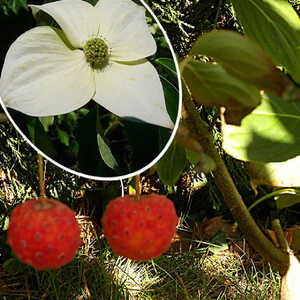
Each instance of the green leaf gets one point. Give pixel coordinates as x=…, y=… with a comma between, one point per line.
x=210, y=84
x=63, y=137
x=280, y=174
x=194, y=152
x=14, y=265
x=275, y=26
x=242, y=58
x=172, y=98
x=104, y=149
x=269, y=134
x=47, y=122
x=14, y=6
x=30, y=124
x=143, y=151
x=192, y=156
x=218, y=243
x=296, y=239
x=172, y=164
x=287, y=200
x=164, y=135
x=39, y=137
x=169, y=64
x=203, y=163
x=89, y=159
x=105, y=153
x=271, y=195
x=186, y=139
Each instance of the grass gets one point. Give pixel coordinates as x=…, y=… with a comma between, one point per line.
x=191, y=273
x=199, y=274
x=96, y=273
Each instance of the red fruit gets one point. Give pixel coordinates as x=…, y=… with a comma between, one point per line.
x=140, y=229
x=44, y=233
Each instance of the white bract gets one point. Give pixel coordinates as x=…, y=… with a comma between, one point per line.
x=99, y=53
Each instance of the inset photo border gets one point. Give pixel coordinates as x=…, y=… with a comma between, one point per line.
x=100, y=99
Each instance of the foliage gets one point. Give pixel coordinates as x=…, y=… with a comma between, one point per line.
x=17, y=165
x=284, y=29
x=12, y=6
x=170, y=12
x=269, y=125
x=234, y=57
x=186, y=20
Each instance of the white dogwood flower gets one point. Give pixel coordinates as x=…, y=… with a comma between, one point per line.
x=98, y=53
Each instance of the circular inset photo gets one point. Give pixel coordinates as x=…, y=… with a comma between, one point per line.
x=93, y=85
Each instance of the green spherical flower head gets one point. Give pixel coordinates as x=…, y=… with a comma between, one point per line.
x=96, y=53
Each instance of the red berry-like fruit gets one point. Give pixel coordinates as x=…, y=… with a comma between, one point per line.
x=44, y=233
x=140, y=229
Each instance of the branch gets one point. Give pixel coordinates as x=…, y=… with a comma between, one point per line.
x=284, y=245
x=232, y=198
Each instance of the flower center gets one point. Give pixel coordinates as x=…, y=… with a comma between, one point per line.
x=96, y=53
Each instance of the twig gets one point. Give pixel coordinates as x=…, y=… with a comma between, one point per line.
x=86, y=285
x=280, y=236
x=218, y=13
x=183, y=286
x=27, y=288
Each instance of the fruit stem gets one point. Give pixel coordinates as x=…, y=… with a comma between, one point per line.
x=41, y=177
x=138, y=187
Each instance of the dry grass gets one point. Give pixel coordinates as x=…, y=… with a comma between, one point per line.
x=97, y=274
